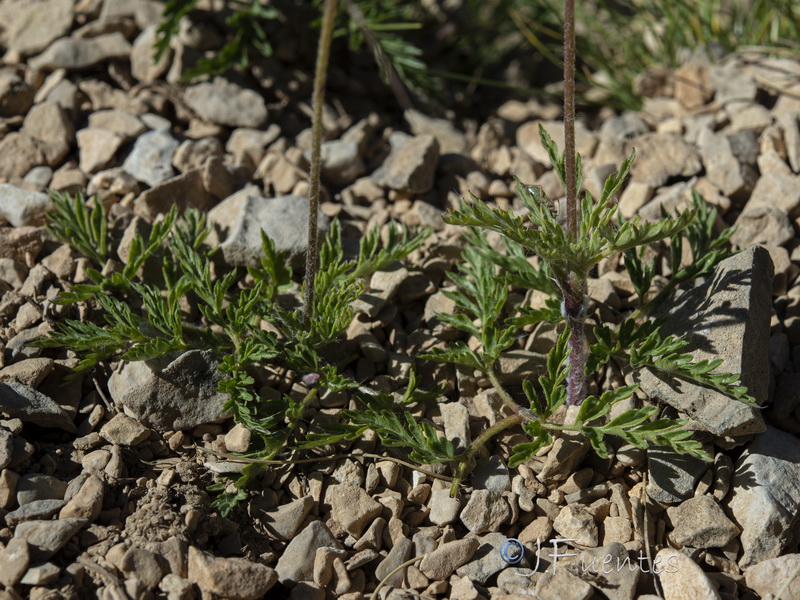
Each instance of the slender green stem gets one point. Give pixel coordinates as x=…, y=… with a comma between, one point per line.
x=323, y=56
x=287, y=432
x=504, y=395
x=477, y=444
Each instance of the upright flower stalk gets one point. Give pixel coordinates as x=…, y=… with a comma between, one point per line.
x=573, y=287
x=323, y=57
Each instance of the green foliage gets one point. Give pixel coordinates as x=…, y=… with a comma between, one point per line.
x=82, y=228
x=482, y=290
x=142, y=321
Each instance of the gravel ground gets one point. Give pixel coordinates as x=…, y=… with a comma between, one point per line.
x=103, y=478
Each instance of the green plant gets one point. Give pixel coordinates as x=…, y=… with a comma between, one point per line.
x=140, y=321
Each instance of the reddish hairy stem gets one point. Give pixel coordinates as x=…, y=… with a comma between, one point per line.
x=323, y=56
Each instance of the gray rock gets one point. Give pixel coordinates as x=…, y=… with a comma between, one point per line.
x=297, y=561
x=610, y=570
x=241, y=218
x=671, y=476
x=41, y=574
x=383, y=286
x=681, y=577
x=487, y=559
x=80, y=53
x=491, y=474
x=727, y=317
x=225, y=103
x=16, y=95
x=341, y=164
x=625, y=126
x=660, y=157
x=566, y=454
x=722, y=167
x=15, y=559
x=35, y=510
x=22, y=402
x=440, y=564
x=87, y=502
x=124, y=431
x=142, y=66
x=37, y=486
x=234, y=578
x=20, y=206
x=731, y=84
x=6, y=448
x=352, y=508
x=50, y=124
x=769, y=576
x=444, y=509
x=762, y=226
x=122, y=122
x=411, y=164
x=560, y=584
x=186, y=190
x=576, y=523
x=284, y=521
x=700, y=523
x=19, y=153
x=97, y=148
x=47, y=537
x=456, y=426
x=150, y=161
x=451, y=141
x=778, y=191
x=765, y=496
x=173, y=392
x=485, y=511
x=400, y=553
x=529, y=141
x=35, y=25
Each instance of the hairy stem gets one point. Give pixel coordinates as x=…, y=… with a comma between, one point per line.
x=573, y=287
x=323, y=56
x=477, y=444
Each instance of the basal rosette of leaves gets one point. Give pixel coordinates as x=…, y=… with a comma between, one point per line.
x=481, y=293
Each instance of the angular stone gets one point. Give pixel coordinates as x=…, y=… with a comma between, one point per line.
x=150, y=161
x=765, y=496
x=486, y=510
x=770, y=576
x=529, y=141
x=487, y=560
x=234, y=578
x=20, y=242
x=723, y=169
x=700, y=523
x=672, y=477
x=444, y=509
x=87, y=502
x=352, y=508
x=726, y=317
x=341, y=164
x=173, y=392
x=124, y=431
x=143, y=68
x=490, y=474
x=19, y=153
x=400, y=553
x=241, y=218
x=297, y=561
x=50, y=124
x=35, y=510
x=610, y=570
x=97, y=148
x=15, y=559
x=762, y=226
x=47, y=537
x=660, y=157
x=22, y=402
x=576, y=523
x=41, y=574
x=284, y=521
x=80, y=53
x=30, y=372
x=451, y=141
x=185, y=191
x=16, y=95
x=411, y=164
x=456, y=425
x=732, y=84
x=560, y=584
x=681, y=577
x=691, y=86
x=36, y=24
x=778, y=191
x=38, y=486
x=225, y=103
x=440, y=564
